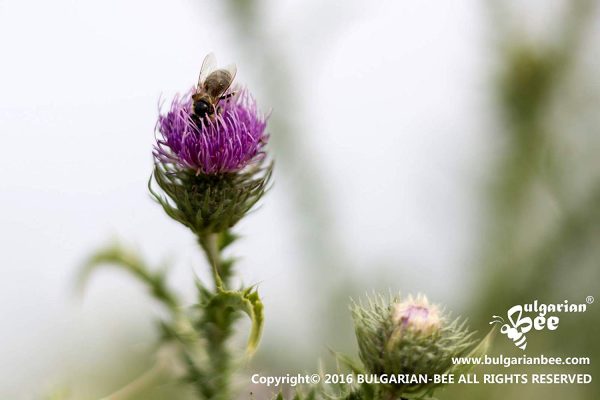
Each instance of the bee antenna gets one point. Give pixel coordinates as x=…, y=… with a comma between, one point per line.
x=497, y=320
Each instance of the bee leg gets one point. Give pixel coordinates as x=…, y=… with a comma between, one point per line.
x=227, y=96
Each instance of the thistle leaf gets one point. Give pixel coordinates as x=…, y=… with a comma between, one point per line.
x=478, y=351
x=128, y=260
x=248, y=302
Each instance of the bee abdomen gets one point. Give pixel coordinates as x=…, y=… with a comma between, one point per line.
x=521, y=343
x=217, y=83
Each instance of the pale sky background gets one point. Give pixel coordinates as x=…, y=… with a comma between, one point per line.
x=396, y=103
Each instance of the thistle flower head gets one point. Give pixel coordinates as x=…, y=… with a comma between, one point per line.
x=408, y=337
x=210, y=169
x=224, y=143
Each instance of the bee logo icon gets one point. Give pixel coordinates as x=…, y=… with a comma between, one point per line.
x=516, y=327
x=513, y=333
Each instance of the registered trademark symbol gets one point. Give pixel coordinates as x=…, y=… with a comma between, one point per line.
x=589, y=299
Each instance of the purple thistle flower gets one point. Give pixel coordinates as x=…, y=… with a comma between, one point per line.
x=225, y=143
x=210, y=170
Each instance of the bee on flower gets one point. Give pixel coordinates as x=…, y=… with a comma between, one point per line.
x=209, y=153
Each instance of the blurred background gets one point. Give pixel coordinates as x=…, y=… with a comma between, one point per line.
x=450, y=148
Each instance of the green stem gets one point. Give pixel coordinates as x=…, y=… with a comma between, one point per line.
x=216, y=327
x=211, y=249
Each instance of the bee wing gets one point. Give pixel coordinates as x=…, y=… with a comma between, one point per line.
x=208, y=65
x=232, y=69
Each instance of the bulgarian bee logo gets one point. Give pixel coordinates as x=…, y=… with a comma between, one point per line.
x=517, y=325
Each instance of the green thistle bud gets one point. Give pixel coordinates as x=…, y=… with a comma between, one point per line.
x=410, y=337
x=209, y=203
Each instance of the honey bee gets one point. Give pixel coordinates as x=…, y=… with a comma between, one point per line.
x=212, y=85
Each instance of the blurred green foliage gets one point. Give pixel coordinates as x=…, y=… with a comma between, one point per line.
x=543, y=238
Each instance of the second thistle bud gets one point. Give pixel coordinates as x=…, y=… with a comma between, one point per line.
x=409, y=337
